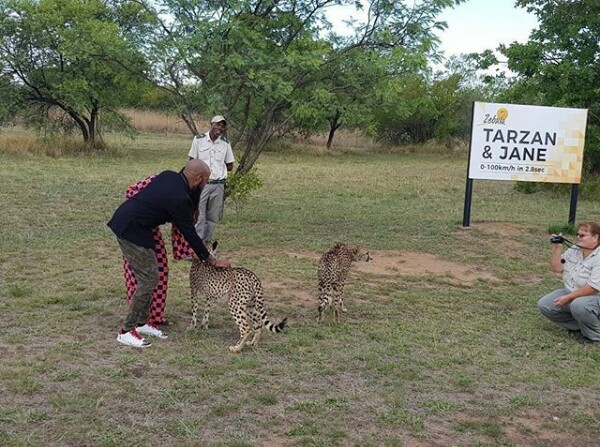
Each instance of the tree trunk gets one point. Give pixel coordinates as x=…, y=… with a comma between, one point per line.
x=93, y=126
x=334, y=124
x=259, y=136
x=88, y=126
x=189, y=122
x=80, y=123
x=254, y=146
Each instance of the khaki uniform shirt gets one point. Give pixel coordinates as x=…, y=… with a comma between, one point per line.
x=578, y=272
x=216, y=155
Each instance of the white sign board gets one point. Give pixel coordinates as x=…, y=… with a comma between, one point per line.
x=527, y=143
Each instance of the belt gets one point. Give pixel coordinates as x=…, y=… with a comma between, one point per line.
x=214, y=182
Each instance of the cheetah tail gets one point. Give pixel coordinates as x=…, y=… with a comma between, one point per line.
x=276, y=327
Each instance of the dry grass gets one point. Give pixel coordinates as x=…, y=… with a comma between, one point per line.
x=19, y=140
x=154, y=122
x=16, y=140
x=146, y=121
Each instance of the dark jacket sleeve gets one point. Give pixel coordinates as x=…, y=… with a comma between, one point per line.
x=182, y=217
x=195, y=195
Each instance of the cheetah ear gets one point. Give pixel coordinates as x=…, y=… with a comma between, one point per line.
x=214, y=246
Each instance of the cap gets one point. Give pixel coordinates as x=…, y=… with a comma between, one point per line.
x=218, y=119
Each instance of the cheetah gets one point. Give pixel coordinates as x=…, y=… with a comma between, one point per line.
x=333, y=269
x=244, y=292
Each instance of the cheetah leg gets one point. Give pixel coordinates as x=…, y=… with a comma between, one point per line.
x=324, y=300
x=206, y=316
x=194, y=299
x=337, y=299
x=343, y=307
x=239, y=312
x=244, y=336
x=341, y=299
x=257, y=326
x=255, y=339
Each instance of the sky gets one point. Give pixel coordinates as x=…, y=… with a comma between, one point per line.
x=473, y=26
x=478, y=25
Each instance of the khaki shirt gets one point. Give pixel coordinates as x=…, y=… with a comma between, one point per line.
x=578, y=272
x=216, y=155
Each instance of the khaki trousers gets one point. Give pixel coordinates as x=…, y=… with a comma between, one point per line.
x=210, y=210
x=143, y=263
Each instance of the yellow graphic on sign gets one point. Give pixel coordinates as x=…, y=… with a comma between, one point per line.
x=502, y=114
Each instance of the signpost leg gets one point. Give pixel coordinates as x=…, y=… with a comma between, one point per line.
x=469, y=186
x=467, y=209
x=573, y=207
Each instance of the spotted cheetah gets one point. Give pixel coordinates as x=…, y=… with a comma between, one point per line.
x=333, y=269
x=244, y=292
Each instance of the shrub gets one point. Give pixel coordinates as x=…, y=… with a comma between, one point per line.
x=240, y=185
x=562, y=229
x=526, y=187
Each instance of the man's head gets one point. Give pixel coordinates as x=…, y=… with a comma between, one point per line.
x=218, y=125
x=197, y=173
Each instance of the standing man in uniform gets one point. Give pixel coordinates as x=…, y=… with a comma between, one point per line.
x=215, y=151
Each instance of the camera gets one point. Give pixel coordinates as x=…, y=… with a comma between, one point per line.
x=557, y=240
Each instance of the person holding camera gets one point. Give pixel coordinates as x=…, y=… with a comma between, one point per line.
x=576, y=306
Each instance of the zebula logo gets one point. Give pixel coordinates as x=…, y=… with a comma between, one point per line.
x=499, y=118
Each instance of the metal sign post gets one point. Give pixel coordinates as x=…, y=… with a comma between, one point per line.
x=573, y=207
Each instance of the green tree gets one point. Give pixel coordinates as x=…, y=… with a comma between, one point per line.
x=70, y=57
x=343, y=97
x=560, y=64
x=405, y=113
x=455, y=88
x=253, y=60
x=9, y=99
x=416, y=107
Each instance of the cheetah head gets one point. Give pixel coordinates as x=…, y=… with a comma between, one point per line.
x=362, y=254
x=212, y=247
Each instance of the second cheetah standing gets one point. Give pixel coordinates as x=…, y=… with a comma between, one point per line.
x=333, y=270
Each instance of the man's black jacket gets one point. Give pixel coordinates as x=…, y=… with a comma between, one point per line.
x=167, y=198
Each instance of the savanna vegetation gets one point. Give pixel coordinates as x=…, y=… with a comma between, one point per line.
x=338, y=137
x=278, y=69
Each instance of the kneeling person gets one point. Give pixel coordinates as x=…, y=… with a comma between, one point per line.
x=576, y=306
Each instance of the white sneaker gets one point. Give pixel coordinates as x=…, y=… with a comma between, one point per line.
x=150, y=329
x=132, y=338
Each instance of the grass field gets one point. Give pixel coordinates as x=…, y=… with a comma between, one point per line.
x=442, y=344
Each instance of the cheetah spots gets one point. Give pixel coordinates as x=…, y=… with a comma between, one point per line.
x=244, y=292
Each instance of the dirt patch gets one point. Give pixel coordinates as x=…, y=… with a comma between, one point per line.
x=415, y=263
x=391, y=263
x=303, y=298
